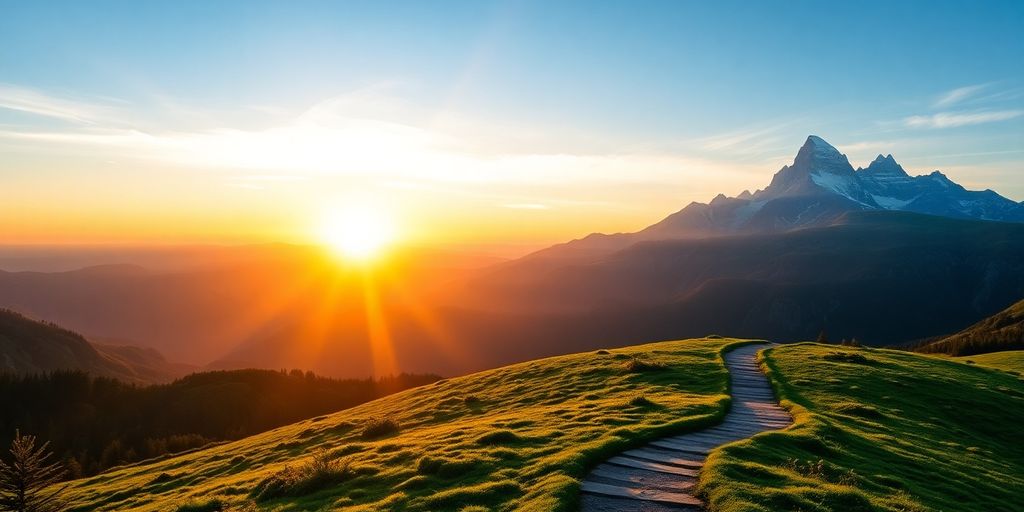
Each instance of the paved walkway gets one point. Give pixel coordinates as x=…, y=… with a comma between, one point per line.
x=660, y=476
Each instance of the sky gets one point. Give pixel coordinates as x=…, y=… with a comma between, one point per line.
x=476, y=122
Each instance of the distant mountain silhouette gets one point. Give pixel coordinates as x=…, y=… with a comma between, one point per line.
x=1002, y=331
x=882, y=277
x=817, y=189
x=28, y=346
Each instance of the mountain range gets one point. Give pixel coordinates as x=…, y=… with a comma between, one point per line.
x=31, y=347
x=869, y=253
x=817, y=189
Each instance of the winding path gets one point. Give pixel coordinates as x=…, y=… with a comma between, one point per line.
x=660, y=476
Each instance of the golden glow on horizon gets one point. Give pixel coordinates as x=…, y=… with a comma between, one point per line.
x=358, y=232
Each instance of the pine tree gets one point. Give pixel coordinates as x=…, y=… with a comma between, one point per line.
x=24, y=481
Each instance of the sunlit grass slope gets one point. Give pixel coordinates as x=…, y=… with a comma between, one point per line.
x=1010, y=360
x=514, y=438
x=879, y=430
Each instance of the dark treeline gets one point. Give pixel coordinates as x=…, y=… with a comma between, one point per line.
x=1002, y=331
x=94, y=423
x=971, y=343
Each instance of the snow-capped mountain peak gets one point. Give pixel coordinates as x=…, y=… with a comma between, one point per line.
x=819, y=168
x=884, y=166
x=818, y=155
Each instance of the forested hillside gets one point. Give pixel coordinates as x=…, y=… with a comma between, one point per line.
x=94, y=423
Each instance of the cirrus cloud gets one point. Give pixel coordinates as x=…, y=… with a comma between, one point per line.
x=955, y=119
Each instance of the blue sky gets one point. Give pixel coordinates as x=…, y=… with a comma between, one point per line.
x=633, y=107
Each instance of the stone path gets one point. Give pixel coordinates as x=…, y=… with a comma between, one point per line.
x=660, y=476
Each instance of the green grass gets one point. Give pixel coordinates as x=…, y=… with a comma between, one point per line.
x=1009, y=361
x=514, y=438
x=878, y=430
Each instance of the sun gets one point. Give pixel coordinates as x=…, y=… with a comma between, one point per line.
x=358, y=232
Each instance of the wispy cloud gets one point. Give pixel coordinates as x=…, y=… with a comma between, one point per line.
x=954, y=96
x=751, y=139
x=36, y=102
x=955, y=119
x=371, y=136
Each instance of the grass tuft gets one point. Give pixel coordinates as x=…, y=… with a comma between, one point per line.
x=320, y=472
x=641, y=401
x=380, y=427
x=444, y=467
x=214, y=505
x=856, y=409
x=162, y=478
x=846, y=357
x=637, y=365
x=499, y=437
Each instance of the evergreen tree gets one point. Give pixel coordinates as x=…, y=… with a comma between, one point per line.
x=25, y=479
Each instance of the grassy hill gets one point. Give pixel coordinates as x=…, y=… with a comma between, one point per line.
x=514, y=438
x=1010, y=360
x=1002, y=331
x=877, y=430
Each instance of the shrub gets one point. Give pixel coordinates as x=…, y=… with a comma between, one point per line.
x=380, y=427
x=846, y=357
x=637, y=365
x=855, y=409
x=640, y=401
x=162, y=478
x=320, y=472
x=602, y=352
x=821, y=470
x=502, y=436
x=444, y=467
x=471, y=400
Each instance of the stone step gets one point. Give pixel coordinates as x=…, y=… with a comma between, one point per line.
x=602, y=503
x=642, y=478
x=700, y=449
x=665, y=457
x=676, y=498
x=633, y=462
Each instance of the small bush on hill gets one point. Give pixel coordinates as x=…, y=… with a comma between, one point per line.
x=502, y=436
x=821, y=470
x=846, y=357
x=640, y=401
x=162, y=478
x=320, y=472
x=637, y=365
x=380, y=427
x=855, y=409
x=443, y=466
